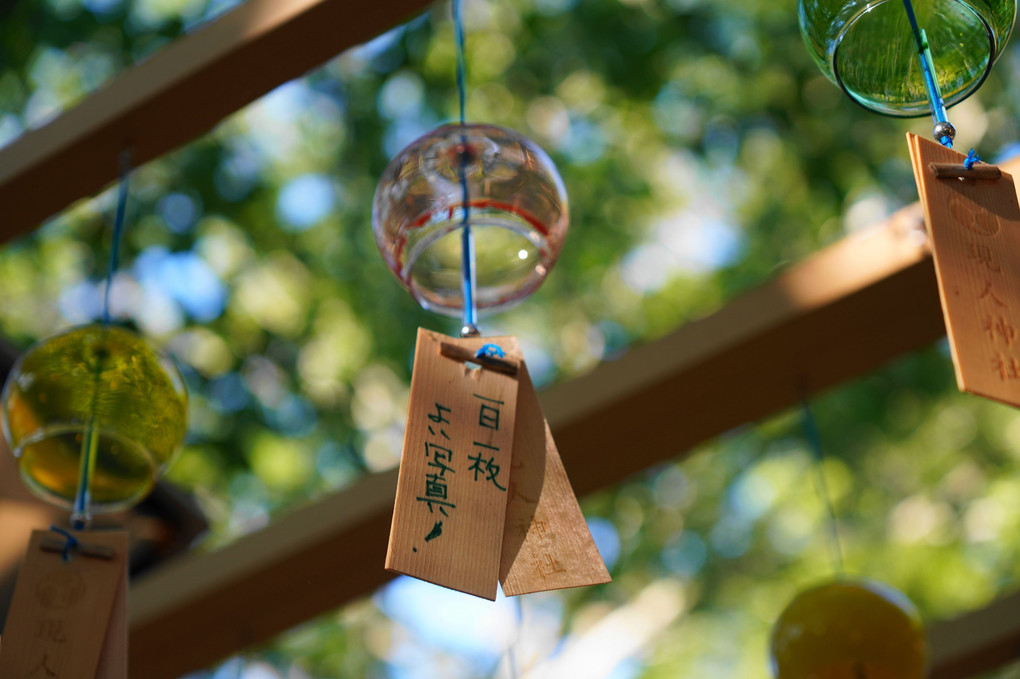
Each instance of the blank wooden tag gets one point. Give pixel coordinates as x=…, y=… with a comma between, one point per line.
x=546, y=542
x=974, y=225
x=68, y=620
x=455, y=469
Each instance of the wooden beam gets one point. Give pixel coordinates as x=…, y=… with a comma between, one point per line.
x=178, y=94
x=840, y=314
x=199, y=610
x=977, y=642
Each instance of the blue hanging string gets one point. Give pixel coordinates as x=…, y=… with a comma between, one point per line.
x=814, y=441
x=80, y=513
x=467, y=241
x=972, y=159
x=70, y=543
x=118, y=230
x=944, y=130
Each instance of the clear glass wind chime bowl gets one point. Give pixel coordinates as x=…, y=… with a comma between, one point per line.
x=100, y=386
x=867, y=47
x=517, y=214
x=849, y=629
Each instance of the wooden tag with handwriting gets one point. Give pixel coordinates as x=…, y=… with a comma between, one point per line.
x=546, y=542
x=68, y=619
x=974, y=225
x=455, y=469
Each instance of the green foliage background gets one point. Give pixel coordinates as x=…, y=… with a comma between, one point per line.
x=702, y=152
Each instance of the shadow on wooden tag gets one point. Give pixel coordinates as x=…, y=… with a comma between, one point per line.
x=546, y=542
x=974, y=226
x=68, y=619
x=455, y=468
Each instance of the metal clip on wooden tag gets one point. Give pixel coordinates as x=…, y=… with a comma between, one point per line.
x=482, y=494
x=68, y=617
x=973, y=220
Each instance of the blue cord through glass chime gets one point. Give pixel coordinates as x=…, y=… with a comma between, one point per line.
x=943, y=131
x=81, y=514
x=469, y=282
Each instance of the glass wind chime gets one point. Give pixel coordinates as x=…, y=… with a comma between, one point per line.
x=900, y=58
x=903, y=58
x=471, y=217
x=93, y=416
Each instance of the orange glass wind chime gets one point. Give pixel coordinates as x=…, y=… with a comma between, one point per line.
x=472, y=217
x=900, y=59
x=93, y=415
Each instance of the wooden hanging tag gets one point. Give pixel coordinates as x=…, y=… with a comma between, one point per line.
x=974, y=226
x=546, y=542
x=455, y=469
x=68, y=619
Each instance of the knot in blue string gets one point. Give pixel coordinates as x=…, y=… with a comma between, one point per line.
x=490, y=351
x=972, y=159
x=71, y=543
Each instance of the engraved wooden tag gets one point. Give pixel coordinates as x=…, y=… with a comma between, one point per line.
x=68, y=619
x=974, y=225
x=546, y=542
x=455, y=470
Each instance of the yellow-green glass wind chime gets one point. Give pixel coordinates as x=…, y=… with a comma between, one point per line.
x=472, y=217
x=905, y=58
x=93, y=415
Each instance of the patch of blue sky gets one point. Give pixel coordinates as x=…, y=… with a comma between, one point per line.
x=474, y=629
x=1006, y=152
x=229, y=393
x=102, y=8
x=401, y=96
x=287, y=103
x=730, y=538
x=616, y=339
x=554, y=7
x=375, y=53
x=238, y=172
x=292, y=416
x=305, y=201
x=42, y=107
x=700, y=243
x=686, y=554
x=646, y=268
x=184, y=277
x=179, y=211
x=273, y=130
x=677, y=114
x=541, y=365
x=10, y=128
x=751, y=495
x=584, y=143
x=157, y=313
x=213, y=9
x=607, y=540
x=692, y=242
x=411, y=659
x=628, y=668
x=259, y=670
x=81, y=302
x=403, y=131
